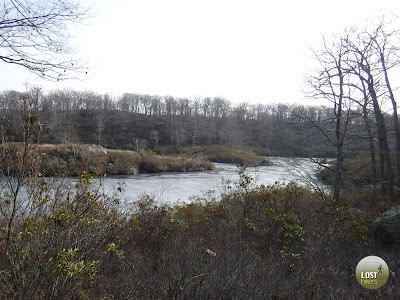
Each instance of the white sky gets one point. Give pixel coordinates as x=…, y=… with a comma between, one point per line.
x=253, y=50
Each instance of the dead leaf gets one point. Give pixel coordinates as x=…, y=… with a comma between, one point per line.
x=211, y=253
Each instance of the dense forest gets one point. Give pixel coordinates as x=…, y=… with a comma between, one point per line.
x=136, y=121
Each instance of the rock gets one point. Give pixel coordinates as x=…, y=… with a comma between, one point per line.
x=265, y=162
x=96, y=148
x=133, y=171
x=386, y=228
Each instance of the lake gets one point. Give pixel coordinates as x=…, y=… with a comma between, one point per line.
x=180, y=187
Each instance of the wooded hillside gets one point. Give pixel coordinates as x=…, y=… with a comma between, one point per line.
x=135, y=121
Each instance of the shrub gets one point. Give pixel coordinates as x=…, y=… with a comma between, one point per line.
x=231, y=155
x=253, y=242
x=71, y=160
x=57, y=240
x=219, y=153
x=122, y=162
x=152, y=163
x=357, y=171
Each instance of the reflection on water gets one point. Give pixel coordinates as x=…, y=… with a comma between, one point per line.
x=174, y=187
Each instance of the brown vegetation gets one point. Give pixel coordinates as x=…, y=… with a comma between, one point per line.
x=233, y=155
x=356, y=171
x=218, y=153
x=269, y=242
x=71, y=160
x=153, y=163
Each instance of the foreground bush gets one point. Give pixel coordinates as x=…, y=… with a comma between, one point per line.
x=265, y=242
x=281, y=242
x=55, y=237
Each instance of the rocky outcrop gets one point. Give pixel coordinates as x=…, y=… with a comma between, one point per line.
x=387, y=228
x=265, y=162
x=96, y=148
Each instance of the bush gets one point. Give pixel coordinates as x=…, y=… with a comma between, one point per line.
x=219, y=153
x=122, y=162
x=152, y=163
x=57, y=241
x=224, y=154
x=253, y=242
x=357, y=171
x=257, y=242
x=71, y=160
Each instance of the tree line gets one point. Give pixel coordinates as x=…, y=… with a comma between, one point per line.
x=138, y=121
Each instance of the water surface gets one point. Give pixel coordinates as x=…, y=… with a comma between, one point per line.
x=179, y=187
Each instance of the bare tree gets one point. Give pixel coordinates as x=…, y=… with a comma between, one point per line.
x=366, y=66
x=34, y=35
x=365, y=106
x=331, y=82
x=386, y=45
x=101, y=120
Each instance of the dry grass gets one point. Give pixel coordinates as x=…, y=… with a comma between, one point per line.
x=152, y=163
x=218, y=153
x=71, y=160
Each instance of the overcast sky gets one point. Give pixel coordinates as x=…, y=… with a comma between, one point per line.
x=255, y=51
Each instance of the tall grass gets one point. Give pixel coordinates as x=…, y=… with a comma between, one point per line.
x=219, y=153
x=71, y=160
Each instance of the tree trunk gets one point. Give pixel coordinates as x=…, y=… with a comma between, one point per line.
x=395, y=118
x=387, y=172
x=371, y=144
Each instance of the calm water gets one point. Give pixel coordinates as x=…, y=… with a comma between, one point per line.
x=178, y=187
